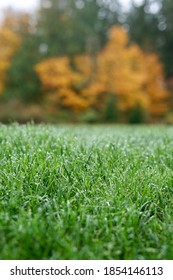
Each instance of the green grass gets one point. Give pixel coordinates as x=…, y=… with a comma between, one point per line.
x=86, y=192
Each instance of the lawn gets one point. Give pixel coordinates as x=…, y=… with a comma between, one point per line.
x=86, y=192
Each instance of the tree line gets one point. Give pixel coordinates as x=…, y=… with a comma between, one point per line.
x=88, y=61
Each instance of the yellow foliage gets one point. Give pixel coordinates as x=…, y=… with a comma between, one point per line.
x=118, y=69
x=60, y=82
x=155, y=86
x=131, y=75
x=9, y=41
x=118, y=38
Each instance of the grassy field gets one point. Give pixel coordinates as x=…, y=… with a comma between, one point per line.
x=86, y=192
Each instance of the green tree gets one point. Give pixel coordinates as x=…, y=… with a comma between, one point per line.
x=22, y=82
x=143, y=24
x=54, y=27
x=111, y=110
x=136, y=115
x=166, y=35
x=75, y=26
x=151, y=27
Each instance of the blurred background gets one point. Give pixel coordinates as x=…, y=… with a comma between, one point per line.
x=86, y=61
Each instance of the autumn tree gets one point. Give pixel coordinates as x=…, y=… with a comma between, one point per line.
x=134, y=77
x=61, y=84
x=9, y=41
x=120, y=72
x=155, y=87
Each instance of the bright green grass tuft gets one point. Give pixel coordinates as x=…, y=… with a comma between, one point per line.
x=86, y=192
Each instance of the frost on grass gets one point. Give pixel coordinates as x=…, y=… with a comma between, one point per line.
x=86, y=192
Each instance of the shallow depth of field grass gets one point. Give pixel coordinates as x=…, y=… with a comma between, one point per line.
x=86, y=192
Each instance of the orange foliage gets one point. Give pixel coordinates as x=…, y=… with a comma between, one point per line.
x=132, y=76
x=9, y=41
x=125, y=71
x=155, y=87
x=61, y=83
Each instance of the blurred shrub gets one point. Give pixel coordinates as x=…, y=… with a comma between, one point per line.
x=137, y=115
x=111, y=110
x=89, y=116
x=169, y=118
x=14, y=110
